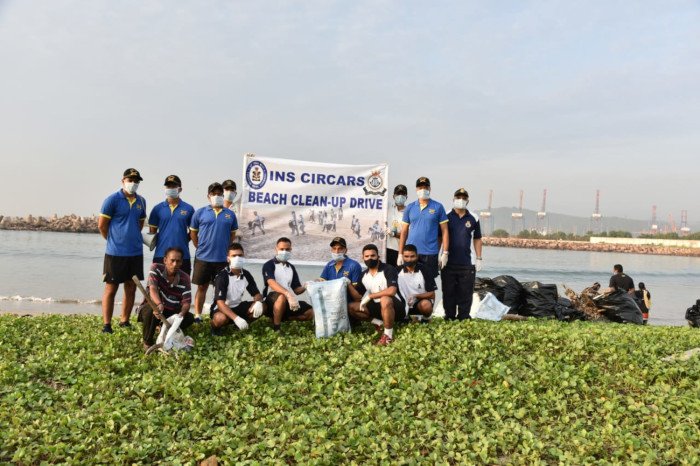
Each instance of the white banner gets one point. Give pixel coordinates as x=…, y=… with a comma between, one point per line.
x=311, y=203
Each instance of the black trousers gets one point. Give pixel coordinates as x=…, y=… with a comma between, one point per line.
x=392, y=256
x=150, y=322
x=457, y=291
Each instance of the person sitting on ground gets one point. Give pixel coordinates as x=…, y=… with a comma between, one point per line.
x=171, y=291
x=643, y=299
x=230, y=286
x=376, y=298
x=416, y=287
x=620, y=281
x=282, y=287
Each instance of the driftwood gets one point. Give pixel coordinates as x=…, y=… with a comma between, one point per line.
x=585, y=301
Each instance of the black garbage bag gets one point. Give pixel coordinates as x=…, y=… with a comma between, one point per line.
x=692, y=315
x=565, y=312
x=510, y=292
x=483, y=285
x=620, y=307
x=540, y=300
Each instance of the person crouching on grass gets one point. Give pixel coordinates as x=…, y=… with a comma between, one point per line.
x=231, y=284
x=375, y=297
x=415, y=286
x=171, y=291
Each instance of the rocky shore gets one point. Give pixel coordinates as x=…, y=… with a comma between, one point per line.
x=67, y=223
x=585, y=246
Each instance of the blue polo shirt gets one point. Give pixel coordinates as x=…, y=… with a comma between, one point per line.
x=214, y=232
x=424, y=226
x=172, y=223
x=350, y=268
x=462, y=231
x=124, y=236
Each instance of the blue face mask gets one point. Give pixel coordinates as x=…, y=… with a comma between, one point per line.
x=337, y=256
x=423, y=194
x=400, y=200
x=283, y=256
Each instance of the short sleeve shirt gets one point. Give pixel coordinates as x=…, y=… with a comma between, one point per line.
x=424, y=226
x=214, y=232
x=462, y=231
x=620, y=281
x=350, y=269
x=231, y=288
x=173, y=295
x=284, y=273
x=416, y=282
x=385, y=277
x=124, y=236
x=172, y=224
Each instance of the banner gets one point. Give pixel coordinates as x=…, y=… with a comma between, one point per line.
x=311, y=203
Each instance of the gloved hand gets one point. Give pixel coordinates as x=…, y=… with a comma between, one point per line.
x=292, y=301
x=240, y=323
x=442, y=262
x=365, y=299
x=256, y=309
x=399, y=260
x=479, y=264
x=347, y=281
x=411, y=301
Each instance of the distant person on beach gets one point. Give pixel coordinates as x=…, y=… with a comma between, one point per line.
x=229, y=194
x=258, y=222
x=300, y=224
x=171, y=221
x=212, y=229
x=459, y=274
x=620, y=281
x=376, y=298
x=423, y=221
x=231, y=285
x=170, y=289
x=393, y=232
x=282, y=286
x=293, y=224
x=121, y=220
x=417, y=288
x=643, y=298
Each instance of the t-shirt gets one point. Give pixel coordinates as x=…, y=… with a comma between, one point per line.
x=385, y=277
x=175, y=295
x=462, y=231
x=124, y=235
x=172, y=223
x=350, y=269
x=620, y=281
x=214, y=232
x=424, y=226
x=394, y=221
x=416, y=282
x=284, y=273
x=231, y=288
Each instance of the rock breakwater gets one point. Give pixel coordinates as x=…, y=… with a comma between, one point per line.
x=585, y=246
x=67, y=223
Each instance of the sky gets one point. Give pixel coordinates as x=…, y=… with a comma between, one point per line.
x=567, y=96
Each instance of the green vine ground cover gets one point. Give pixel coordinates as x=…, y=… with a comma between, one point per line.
x=455, y=393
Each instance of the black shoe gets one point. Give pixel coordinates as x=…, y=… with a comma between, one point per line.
x=198, y=319
x=107, y=328
x=126, y=324
x=216, y=332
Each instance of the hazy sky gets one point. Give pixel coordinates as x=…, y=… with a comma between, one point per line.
x=568, y=96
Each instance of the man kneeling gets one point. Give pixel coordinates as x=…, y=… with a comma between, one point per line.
x=375, y=296
x=171, y=291
x=230, y=286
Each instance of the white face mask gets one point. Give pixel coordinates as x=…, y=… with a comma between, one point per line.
x=229, y=195
x=423, y=194
x=400, y=200
x=216, y=201
x=460, y=204
x=338, y=256
x=237, y=262
x=172, y=193
x=283, y=256
x=131, y=187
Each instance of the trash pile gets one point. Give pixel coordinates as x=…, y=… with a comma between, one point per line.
x=536, y=299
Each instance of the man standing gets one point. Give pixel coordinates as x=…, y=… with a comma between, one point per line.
x=282, y=286
x=376, y=298
x=231, y=284
x=229, y=195
x=460, y=272
x=121, y=219
x=620, y=281
x=416, y=288
x=170, y=290
x=171, y=220
x=423, y=220
x=393, y=233
x=212, y=229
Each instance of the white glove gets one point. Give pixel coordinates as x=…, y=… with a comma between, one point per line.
x=240, y=322
x=257, y=309
x=365, y=299
x=442, y=262
x=411, y=301
x=479, y=264
x=292, y=301
x=399, y=260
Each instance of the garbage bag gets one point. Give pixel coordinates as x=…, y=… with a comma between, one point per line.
x=329, y=300
x=490, y=308
x=175, y=339
x=484, y=285
x=620, y=307
x=510, y=292
x=540, y=300
x=692, y=315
